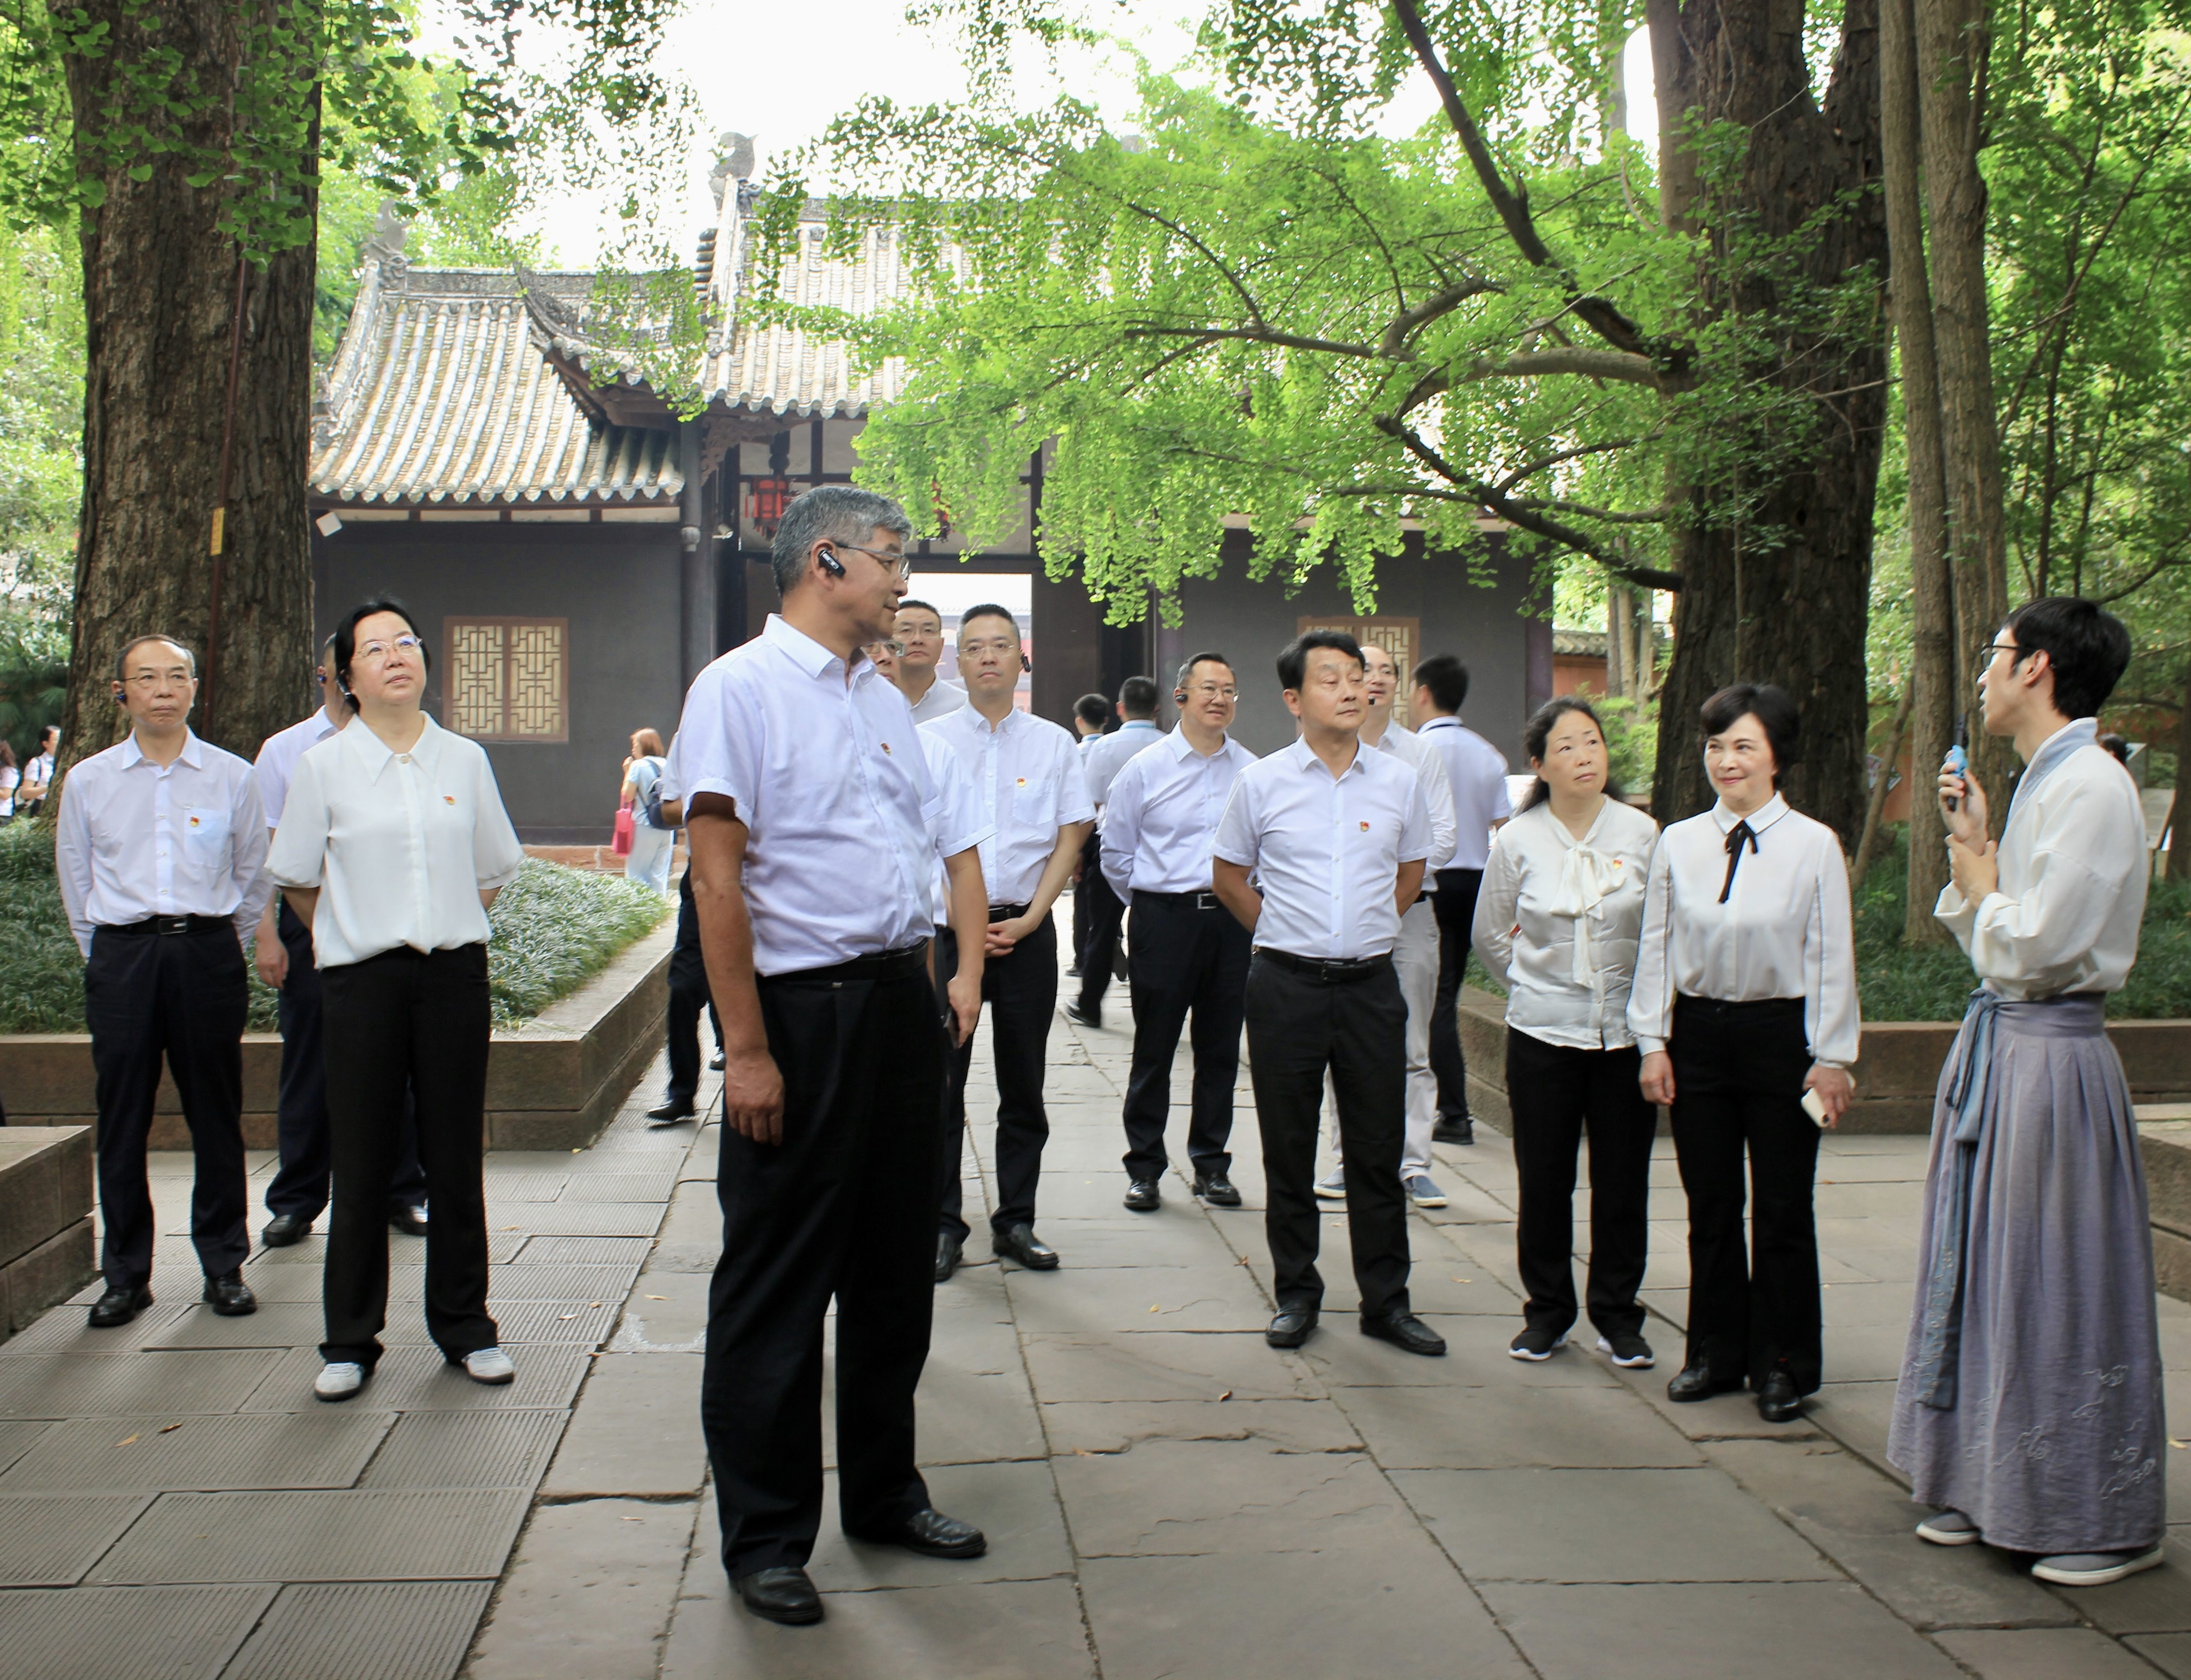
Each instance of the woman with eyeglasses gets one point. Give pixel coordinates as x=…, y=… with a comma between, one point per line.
x=393, y=843
x=1745, y=1006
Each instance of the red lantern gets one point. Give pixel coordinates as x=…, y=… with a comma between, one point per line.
x=767, y=501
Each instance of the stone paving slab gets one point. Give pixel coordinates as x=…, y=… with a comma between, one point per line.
x=357, y=1535
x=376, y=1630
x=140, y=1632
x=591, y=1586
x=635, y=1431
x=2042, y=1654
x=166, y=1453
x=63, y=1385
x=467, y=1449
x=18, y=1438
x=50, y=1540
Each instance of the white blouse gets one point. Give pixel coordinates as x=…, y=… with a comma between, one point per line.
x=1786, y=929
x=2072, y=892
x=1557, y=922
x=400, y=845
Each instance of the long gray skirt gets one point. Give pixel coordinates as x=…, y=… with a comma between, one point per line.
x=2054, y=1438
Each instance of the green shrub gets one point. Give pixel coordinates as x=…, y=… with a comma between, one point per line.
x=554, y=928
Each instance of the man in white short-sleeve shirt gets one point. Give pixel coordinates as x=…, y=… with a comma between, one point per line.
x=917, y=636
x=1319, y=852
x=1027, y=779
x=808, y=802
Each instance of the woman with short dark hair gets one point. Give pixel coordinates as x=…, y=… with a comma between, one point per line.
x=1745, y=1006
x=393, y=843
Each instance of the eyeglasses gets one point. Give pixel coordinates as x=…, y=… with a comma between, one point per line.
x=898, y=565
x=1221, y=690
x=375, y=653
x=1987, y=650
x=999, y=645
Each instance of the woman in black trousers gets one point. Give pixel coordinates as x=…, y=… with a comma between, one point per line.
x=1555, y=924
x=1745, y=1006
x=392, y=844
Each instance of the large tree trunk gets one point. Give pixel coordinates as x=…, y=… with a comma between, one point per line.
x=1951, y=38
x=160, y=310
x=1784, y=598
x=1933, y=612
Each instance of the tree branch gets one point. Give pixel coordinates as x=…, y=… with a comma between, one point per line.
x=1260, y=335
x=1406, y=324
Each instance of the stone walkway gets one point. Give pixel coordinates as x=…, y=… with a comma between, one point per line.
x=1164, y=1495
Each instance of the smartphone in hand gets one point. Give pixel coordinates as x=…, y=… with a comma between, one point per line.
x=1957, y=763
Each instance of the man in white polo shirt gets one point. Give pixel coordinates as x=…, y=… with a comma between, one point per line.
x=1334, y=836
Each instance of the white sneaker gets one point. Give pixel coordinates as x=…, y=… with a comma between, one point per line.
x=1424, y=1192
x=339, y=1381
x=489, y=1364
x=1333, y=1187
x=2094, y=1568
x=1948, y=1528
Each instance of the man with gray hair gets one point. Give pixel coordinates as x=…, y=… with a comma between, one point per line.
x=806, y=797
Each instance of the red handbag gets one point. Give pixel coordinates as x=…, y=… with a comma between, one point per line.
x=621, y=843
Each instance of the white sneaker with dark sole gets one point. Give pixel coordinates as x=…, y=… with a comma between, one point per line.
x=2093, y=1569
x=1948, y=1528
x=339, y=1381
x=489, y=1365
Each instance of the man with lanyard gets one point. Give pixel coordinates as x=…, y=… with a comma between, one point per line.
x=1335, y=838
x=917, y=635
x=160, y=851
x=1027, y=779
x=283, y=955
x=807, y=802
x=1415, y=958
x=1188, y=952
x=2029, y=1406
x=1475, y=774
x=1101, y=759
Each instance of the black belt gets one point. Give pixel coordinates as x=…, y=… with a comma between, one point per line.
x=1200, y=901
x=875, y=967
x=1754, y=1010
x=1329, y=970
x=1005, y=913
x=168, y=924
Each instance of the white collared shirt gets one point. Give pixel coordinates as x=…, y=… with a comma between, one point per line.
x=137, y=838
x=1785, y=931
x=2066, y=913
x=1162, y=817
x=399, y=845
x=1027, y=784
x=277, y=763
x=1476, y=772
x=941, y=699
x=1419, y=756
x=834, y=789
x=958, y=823
x=1557, y=920
x=1327, y=849
x=1103, y=756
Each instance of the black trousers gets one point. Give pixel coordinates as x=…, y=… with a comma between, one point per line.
x=1454, y=905
x=1184, y=958
x=182, y=996
x=1557, y=1093
x=688, y=996
x=839, y=1208
x=1021, y=992
x=1738, y=1072
x=1299, y=1027
x=416, y=1022
x=299, y=1187
x=1096, y=942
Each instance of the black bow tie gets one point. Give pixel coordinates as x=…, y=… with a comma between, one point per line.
x=1735, y=836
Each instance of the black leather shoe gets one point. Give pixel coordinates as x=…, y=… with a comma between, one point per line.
x=1216, y=1189
x=118, y=1307
x=1084, y=1018
x=715, y=1062
x=1462, y=1130
x=1021, y=1243
x=1143, y=1195
x=1777, y=1402
x=670, y=1113
x=411, y=1222
x=229, y=1295
x=948, y=1250
x=1291, y=1327
x=932, y=1534
x=285, y=1228
x=784, y=1595
x=1696, y=1382
x=1405, y=1331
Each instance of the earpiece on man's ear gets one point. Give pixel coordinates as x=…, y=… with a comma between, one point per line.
x=830, y=563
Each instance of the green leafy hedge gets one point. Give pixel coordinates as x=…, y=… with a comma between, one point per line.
x=554, y=928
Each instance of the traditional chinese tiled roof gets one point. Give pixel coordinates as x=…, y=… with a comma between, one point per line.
x=442, y=393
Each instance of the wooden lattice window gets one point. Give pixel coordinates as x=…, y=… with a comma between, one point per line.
x=509, y=679
x=1399, y=637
